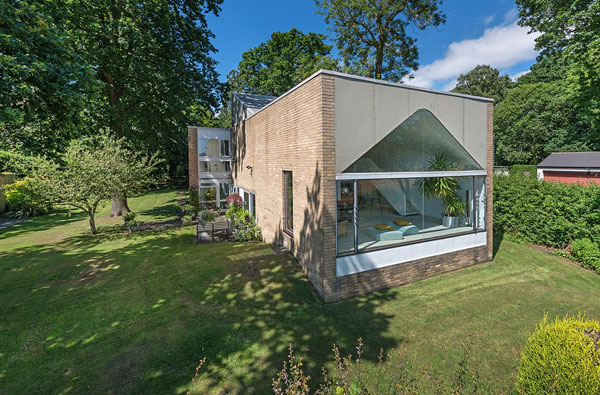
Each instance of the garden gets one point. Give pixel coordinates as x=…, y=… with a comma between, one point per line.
x=136, y=312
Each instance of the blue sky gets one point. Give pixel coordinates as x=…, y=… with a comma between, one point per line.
x=476, y=32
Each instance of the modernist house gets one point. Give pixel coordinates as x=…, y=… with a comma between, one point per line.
x=570, y=167
x=370, y=184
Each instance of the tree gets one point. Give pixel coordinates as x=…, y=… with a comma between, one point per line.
x=571, y=29
x=372, y=34
x=44, y=82
x=533, y=121
x=95, y=171
x=484, y=80
x=275, y=66
x=154, y=61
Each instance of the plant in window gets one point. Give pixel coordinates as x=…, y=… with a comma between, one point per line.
x=444, y=188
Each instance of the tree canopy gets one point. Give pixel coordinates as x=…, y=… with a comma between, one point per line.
x=533, y=121
x=571, y=29
x=486, y=81
x=45, y=83
x=373, y=36
x=275, y=66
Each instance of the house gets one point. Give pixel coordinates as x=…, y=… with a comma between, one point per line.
x=570, y=167
x=370, y=184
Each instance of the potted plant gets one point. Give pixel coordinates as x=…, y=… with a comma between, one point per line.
x=444, y=188
x=454, y=209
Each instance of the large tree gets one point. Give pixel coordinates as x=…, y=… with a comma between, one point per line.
x=533, y=121
x=486, y=81
x=154, y=61
x=571, y=29
x=373, y=35
x=96, y=170
x=275, y=66
x=44, y=82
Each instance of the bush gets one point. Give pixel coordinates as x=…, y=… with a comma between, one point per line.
x=546, y=213
x=27, y=198
x=194, y=198
x=561, y=357
x=587, y=253
x=522, y=170
x=246, y=228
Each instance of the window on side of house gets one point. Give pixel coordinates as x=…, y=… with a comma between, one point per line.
x=288, y=199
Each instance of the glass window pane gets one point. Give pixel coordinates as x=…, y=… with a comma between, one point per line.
x=289, y=200
x=412, y=146
x=224, y=147
x=480, y=201
x=217, y=166
x=208, y=147
x=447, y=205
x=390, y=212
x=345, y=217
x=224, y=189
x=208, y=195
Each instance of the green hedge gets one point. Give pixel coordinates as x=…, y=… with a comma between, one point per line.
x=520, y=169
x=587, y=252
x=546, y=213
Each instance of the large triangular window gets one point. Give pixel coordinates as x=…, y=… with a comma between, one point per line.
x=411, y=147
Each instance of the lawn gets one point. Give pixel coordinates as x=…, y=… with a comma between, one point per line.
x=120, y=313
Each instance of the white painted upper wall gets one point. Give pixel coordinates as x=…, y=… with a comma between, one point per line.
x=367, y=111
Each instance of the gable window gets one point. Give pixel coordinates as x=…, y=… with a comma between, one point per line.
x=288, y=199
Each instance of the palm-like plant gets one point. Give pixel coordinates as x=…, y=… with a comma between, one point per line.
x=443, y=187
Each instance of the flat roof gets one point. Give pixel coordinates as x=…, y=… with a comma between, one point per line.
x=371, y=80
x=572, y=160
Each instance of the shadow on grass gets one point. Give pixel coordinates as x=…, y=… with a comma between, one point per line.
x=56, y=217
x=149, y=306
x=498, y=237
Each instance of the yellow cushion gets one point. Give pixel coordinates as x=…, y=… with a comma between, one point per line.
x=401, y=222
x=384, y=227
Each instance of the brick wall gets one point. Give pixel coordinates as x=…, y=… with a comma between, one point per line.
x=192, y=156
x=293, y=134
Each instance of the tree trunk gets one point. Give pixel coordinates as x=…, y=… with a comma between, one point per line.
x=119, y=207
x=92, y=223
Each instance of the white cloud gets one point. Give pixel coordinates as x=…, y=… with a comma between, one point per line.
x=511, y=15
x=489, y=19
x=517, y=75
x=501, y=47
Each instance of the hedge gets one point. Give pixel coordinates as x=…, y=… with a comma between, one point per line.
x=520, y=169
x=540, y=212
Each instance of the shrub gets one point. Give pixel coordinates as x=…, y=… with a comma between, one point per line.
x=207, y=214
x=524, y=170
x=129, y=219
x=194, y=198
x=246, y=228
x=546, y=213
x=234, y=198
x=587, y=253
x=561, y=357
x=27, y=198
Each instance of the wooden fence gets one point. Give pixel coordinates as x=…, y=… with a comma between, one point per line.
x=5, y=178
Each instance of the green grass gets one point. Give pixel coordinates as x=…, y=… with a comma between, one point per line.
x=120, y=313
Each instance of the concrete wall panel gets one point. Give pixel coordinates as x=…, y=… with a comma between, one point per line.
x=365, y=112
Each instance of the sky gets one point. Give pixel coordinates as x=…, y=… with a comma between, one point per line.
x=476, y=32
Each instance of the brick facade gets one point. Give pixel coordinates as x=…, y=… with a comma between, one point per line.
x=296, y=133
x=293, y=134
x=192, y=156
